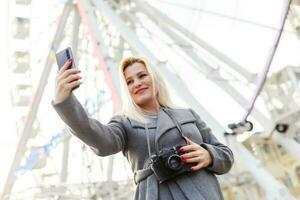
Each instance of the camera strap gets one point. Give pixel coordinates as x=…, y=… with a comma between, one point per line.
x=176, y=123
x=148, y=140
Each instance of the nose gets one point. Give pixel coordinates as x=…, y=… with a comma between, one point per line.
x=137, y=83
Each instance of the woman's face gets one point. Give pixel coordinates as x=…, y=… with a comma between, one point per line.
x=139, y=84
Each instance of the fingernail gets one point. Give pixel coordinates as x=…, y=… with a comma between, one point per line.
x=191, y=169
x=181, y=149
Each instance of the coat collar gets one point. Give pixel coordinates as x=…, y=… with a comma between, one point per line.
x=137, y=124
x=162, y=116
x=164, y=121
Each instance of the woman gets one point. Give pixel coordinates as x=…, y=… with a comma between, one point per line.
x=149, y=125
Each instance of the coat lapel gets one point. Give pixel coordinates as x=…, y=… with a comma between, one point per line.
x=164, y=123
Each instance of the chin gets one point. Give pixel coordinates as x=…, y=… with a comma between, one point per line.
x=143, y=100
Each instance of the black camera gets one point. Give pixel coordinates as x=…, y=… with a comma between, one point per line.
x=168, y=164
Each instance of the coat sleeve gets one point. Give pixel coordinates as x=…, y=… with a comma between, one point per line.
x=103, y=139
x=222, y=156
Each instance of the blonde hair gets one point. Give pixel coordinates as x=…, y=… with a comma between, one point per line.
x=129, y=107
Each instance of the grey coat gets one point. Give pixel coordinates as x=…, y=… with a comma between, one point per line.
x=128, y=136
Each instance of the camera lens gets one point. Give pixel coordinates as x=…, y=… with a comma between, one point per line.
x=174, y=162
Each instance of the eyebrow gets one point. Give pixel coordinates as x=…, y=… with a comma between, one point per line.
x=140, y=72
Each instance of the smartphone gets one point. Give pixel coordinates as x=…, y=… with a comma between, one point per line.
x=63, y=56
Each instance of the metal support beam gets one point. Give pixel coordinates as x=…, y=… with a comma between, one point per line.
x=76, y=25
x=147, y=8
x=131, y=38
x=34, y=106
x=66, y=143
x=204, y=68
x=65, y=159
x=106, y=64
x=89, y=18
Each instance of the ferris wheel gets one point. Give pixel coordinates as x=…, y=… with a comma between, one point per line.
x=100, y=34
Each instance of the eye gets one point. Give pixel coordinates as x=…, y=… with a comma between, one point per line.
x=142, y=75
x=129, y=82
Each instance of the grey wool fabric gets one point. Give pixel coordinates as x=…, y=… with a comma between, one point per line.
x=129, y=136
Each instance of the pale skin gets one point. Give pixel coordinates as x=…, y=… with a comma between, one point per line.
x=66, y=80
x=140, y=87
x=143, y=93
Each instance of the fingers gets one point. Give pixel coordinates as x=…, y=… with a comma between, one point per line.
x=196, y=159
x=188, y=140
x=193, y=160
x=191, y=147
x=73, y=85
x=194, y=153
x=68, y=78
x=71, y=78
x=62, y=84
x=196, y=167
x=67, y=73
x=65, y=66
x=201, y=157
x=190, y=155
x=195, y=156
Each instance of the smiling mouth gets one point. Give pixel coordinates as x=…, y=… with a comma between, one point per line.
x=140, y=91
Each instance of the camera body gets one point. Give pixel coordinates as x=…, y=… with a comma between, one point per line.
x=168, y=164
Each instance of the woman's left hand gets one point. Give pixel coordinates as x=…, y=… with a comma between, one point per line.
x=194, y=153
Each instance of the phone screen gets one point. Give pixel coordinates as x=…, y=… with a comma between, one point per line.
x=63, y=56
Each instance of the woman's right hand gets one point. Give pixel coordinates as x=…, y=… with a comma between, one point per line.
x=66, y=81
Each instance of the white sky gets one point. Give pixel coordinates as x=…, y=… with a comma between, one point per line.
x=247, y=44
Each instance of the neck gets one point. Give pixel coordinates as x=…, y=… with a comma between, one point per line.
x=152, y=107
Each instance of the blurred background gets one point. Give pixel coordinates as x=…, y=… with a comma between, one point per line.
x=214, y=54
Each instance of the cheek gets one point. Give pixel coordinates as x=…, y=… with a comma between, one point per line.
x=130, y=90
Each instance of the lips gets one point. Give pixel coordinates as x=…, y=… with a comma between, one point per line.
x=139, y=91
